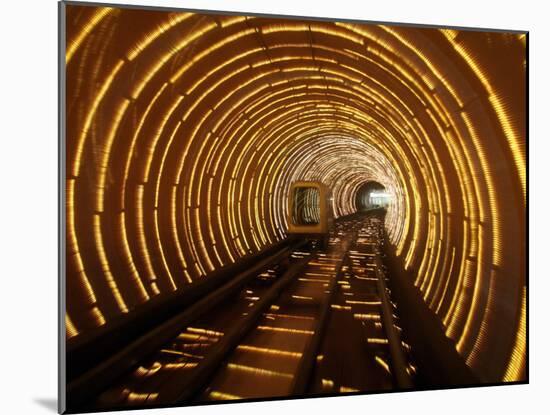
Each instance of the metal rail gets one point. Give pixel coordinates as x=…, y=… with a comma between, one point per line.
x=90, y=349
x=190, y=387
x=100, y=377
x=194, y=384
x=307, y=364
x=399, y=366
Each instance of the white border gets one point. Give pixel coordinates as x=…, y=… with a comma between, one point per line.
x=28, y=212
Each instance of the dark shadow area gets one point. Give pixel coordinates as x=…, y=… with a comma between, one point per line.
x=48, y=403
x=363, y=198
x=434, y=352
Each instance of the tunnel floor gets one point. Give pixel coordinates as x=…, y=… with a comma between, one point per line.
x=311, y=324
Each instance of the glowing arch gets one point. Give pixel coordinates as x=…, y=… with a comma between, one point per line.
x=184, y=135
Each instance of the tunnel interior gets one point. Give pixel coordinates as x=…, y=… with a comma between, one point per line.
x=185, y=131
x=370, y=195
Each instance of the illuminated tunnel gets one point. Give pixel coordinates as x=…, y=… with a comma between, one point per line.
x=184, y=132
x=363, y=195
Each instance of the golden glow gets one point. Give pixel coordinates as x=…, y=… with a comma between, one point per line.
x=284, y=330
x=518, y=361
x=74, y=43
x=373, y=340
x=327, y=383
x=135, y=397
x=273, y=352
x=181, y=147
x=105, y=265
x=344, y=389
x=211, y=333
x=71, y=329
x=258, y=371
x=383, y=364
x=223, y=396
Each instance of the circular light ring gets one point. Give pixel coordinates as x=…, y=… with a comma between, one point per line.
x=184, y=137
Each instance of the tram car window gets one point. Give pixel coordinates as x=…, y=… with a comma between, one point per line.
x=310, y=209
x=306, y=206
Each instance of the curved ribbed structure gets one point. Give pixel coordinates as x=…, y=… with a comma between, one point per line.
x=185, y=131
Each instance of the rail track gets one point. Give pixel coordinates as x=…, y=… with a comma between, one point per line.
x=304, y=321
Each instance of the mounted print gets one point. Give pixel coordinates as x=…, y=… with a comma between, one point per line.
x=260, y=207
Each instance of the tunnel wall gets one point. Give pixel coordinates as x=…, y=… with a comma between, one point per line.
x=185, y=131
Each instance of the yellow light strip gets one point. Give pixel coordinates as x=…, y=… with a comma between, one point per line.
x=73, y=45
x=105, y=265
x=518, y=359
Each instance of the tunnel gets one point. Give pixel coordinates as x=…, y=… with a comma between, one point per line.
x=371, y=194
x=185, y=131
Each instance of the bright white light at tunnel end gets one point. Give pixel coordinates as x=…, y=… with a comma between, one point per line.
x=380, y=194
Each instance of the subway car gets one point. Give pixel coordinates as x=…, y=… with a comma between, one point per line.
x=310, y=212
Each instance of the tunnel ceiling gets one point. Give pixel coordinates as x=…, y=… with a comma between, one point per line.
x=184, y=132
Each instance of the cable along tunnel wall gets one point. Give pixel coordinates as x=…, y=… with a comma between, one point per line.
x=185, y=131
